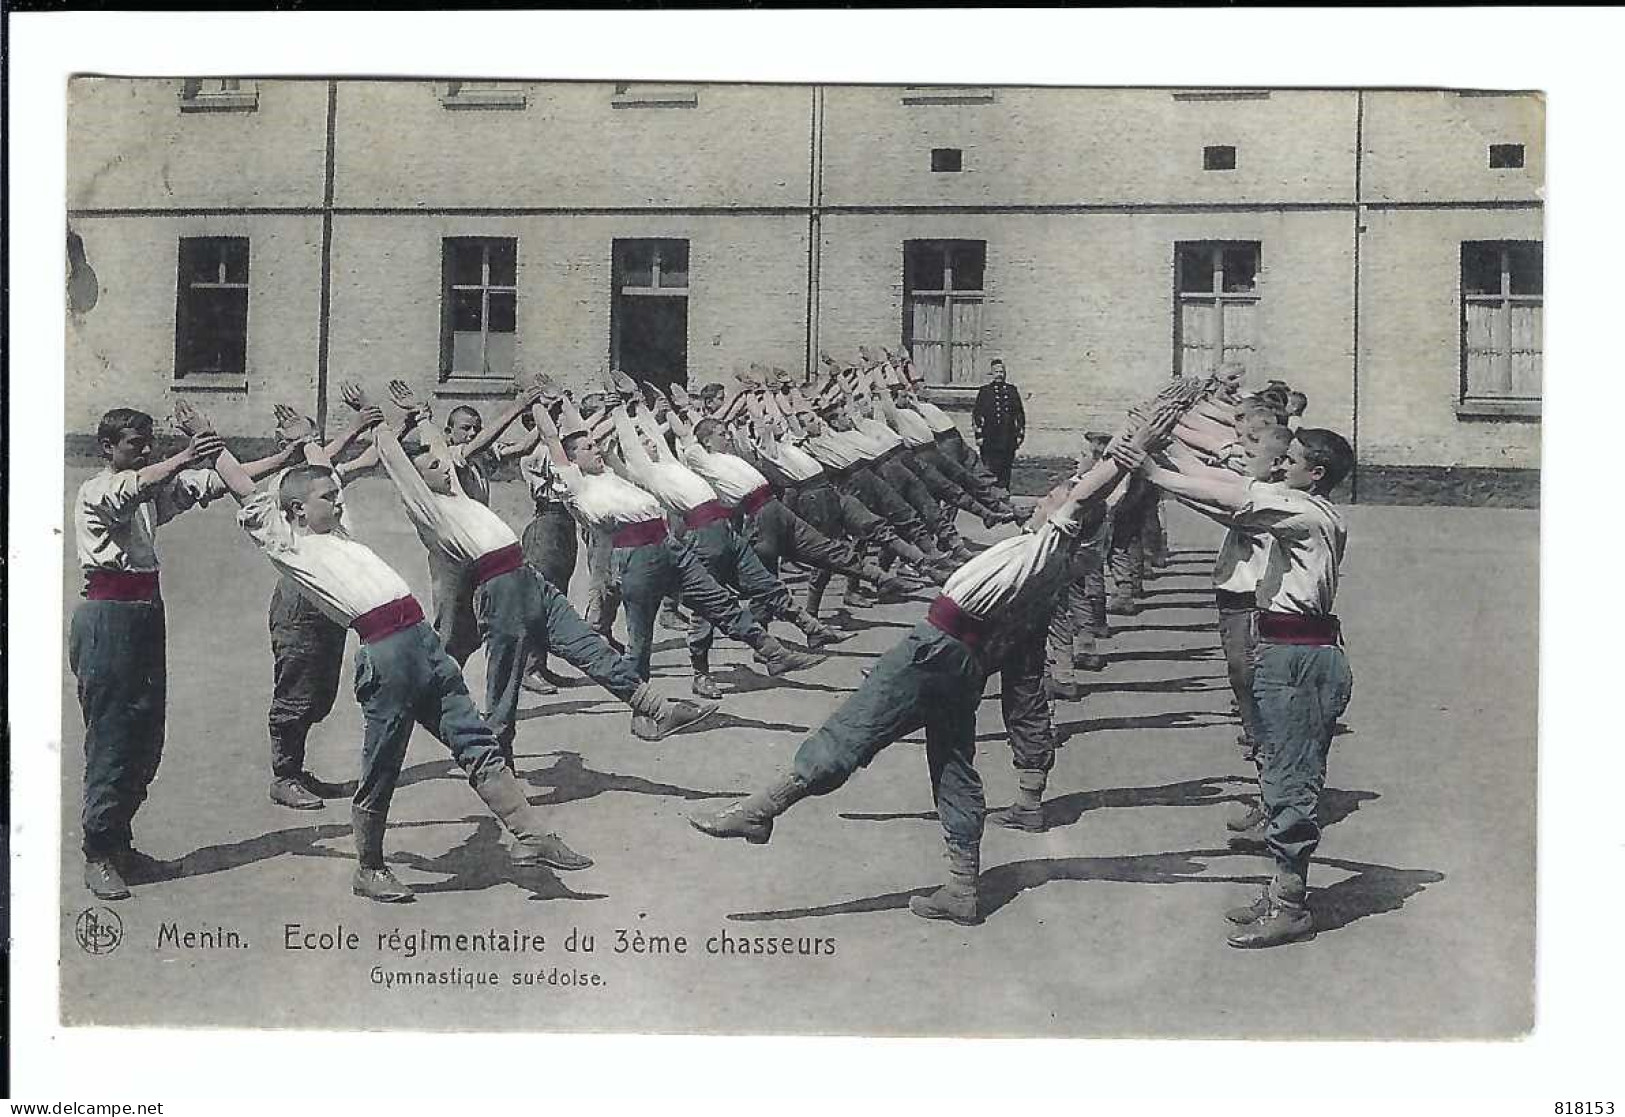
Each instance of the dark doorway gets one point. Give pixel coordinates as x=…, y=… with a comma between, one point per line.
x=649, y=310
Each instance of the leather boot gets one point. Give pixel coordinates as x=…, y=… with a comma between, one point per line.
x=1253, y=912
x=855, y=597
x=815, y=596
x=289, y=792
x=889, y=584
x=818, y=634
x=703, y=686
x=908, y=552
x=103, y=879
x=373, y=880
x=1252, y=819
x=752, y=817
x=656, y=717
x=500, y=792
x=1027, y=812
x=1285, y=918
x=780, y=660
x=956, y=900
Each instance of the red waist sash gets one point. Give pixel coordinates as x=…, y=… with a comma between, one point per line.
x=755, y=500
x=708, y=513
x=498, y=562
x=640, y=534
x=1295, y=628
x=947, y=617
x=121, y=585
x=388, y=619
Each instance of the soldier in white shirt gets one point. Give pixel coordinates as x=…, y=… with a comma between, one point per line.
x=403, y=674
x=472, y=449
x=648, y=565
x=649, y=462
x=116, y=641
x=1301, y=678
x=307, y=646
x=782, y=422
x=766, y=524
x=521, y=614
x=991, y=615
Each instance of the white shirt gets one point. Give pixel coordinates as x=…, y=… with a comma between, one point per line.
x=934, y=416
x=914, y=429
x=878, y=435
x=342, y=578
x=606, y=501
x=675, y=485
x=990, y=584
x=1242, y=558
x=795, y=461
x=115, y=521
x=732, y=477
x=836, y=449
x=1300, y=574
x=457, y=525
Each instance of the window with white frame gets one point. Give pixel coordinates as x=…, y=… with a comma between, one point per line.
x=478, y=307
x=1216, y=305
x=211, y=311
x=943, y=300
x=1502, y=290
x=219, y=95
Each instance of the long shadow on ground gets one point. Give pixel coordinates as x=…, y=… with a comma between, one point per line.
x=480, y=862
x=569, y=780
x=1336, y=804
x=1372, y=890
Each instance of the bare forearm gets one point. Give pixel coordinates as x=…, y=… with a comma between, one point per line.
x=159, y=472
x=263, y=467
x=1228, y=492
x=236, y=479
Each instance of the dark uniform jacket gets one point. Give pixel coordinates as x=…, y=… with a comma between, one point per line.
x=998, y=418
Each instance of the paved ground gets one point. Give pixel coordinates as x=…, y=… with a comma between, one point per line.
x=1108, y=925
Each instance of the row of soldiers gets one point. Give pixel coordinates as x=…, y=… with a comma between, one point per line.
x=683, y=502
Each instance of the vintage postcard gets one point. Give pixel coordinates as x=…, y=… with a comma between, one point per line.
x=801, y=559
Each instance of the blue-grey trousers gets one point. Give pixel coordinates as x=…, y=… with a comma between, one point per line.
x=927, y=679
x=1301, y=690
x=116, y=652
x=732, y=564
x=307, y=658
x=648, y=574
x=523, y=615
x=408, y=679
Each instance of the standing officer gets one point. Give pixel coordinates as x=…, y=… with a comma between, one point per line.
x=999, y=422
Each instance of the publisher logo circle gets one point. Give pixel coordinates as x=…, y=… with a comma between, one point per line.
x=98, y=930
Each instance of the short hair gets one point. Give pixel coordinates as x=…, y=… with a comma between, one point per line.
x=297, y=482
x=571, y=441
x=1098, y=438
x=464, y=409
x=1257, y=408
x=1298, y=398
x=120, y=419
x=712, y=390
x=1275, y=395
x=1328, y=450
x=705, y=428
x=1279, y=437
